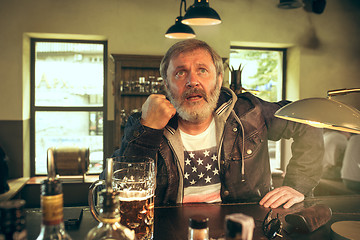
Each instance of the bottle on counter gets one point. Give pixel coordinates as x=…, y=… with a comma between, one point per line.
x=52, y=225
x=198, y=228
x=109, y=213
x=12, y=220
x=52, y=203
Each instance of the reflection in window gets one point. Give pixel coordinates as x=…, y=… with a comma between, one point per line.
x=68, y=99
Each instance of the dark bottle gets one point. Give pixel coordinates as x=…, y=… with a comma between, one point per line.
x=12, y=220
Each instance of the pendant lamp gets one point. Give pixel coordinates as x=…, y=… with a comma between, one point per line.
x=201, y=14
x=290, y=4
x=324, y=112
x=180, y=30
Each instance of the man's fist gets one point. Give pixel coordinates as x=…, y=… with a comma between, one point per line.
x=157, y=111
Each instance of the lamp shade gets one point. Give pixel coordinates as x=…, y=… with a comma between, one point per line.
x=180, y=30
x=322, y=113
x=200, y=13
x=290, y=4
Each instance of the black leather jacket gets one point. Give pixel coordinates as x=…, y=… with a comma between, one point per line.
x=244, y=124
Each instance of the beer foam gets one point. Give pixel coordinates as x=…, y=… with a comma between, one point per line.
x=134, y=195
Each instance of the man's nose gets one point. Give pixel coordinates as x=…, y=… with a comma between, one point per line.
x=192, y=80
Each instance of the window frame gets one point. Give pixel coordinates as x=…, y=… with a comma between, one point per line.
x=34, y=109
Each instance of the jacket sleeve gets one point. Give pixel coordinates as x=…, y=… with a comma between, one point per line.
x=304, y=169
x=139, y=140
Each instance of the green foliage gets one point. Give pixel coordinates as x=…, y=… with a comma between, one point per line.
x=266, y=78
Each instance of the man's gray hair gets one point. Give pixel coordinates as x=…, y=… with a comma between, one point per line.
x=188, y=46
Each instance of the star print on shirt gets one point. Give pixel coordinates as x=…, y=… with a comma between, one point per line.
x=206, y=153
x=201, y=168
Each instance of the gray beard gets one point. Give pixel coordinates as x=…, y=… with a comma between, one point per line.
x=195, y=115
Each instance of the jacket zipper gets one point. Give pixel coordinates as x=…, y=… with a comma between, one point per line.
x=243, y=146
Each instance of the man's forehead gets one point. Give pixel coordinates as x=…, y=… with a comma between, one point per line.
x=201, y=56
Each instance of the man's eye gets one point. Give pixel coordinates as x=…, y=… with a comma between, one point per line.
x=180, y=73
x=202, y=70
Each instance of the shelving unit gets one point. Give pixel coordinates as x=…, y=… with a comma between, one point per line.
x=131, y=68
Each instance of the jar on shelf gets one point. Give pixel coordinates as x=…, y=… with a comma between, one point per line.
x=149, y=84
x=157, y=86
x=126, y=86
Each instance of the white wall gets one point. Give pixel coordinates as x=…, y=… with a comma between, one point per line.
x=138, y=27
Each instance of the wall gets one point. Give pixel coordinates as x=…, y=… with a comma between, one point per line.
x=326, y=46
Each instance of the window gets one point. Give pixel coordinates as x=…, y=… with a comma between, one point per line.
x=263, y=74
x=68, y=99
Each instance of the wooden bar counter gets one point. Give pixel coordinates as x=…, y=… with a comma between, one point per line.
x=172, y=222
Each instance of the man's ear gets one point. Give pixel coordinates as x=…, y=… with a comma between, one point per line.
x=165, y=85
x=220, y=80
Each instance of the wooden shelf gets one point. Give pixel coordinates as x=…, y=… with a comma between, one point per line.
x=129, y=68
x=134, y=94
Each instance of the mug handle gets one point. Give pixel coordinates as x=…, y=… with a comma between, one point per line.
x=91, y=198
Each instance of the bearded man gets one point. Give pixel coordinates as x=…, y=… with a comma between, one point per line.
x=210, y=144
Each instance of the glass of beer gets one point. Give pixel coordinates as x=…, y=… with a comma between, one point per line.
x=134, y=179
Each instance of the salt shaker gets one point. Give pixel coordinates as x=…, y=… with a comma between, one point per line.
x=198, y=228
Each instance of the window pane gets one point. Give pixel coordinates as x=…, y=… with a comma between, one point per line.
x=69, y=74
x=262, y=71
x=75, y=129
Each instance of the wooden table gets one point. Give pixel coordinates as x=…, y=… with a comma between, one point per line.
x=172, y=222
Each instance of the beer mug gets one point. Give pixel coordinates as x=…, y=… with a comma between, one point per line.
x=134, y=180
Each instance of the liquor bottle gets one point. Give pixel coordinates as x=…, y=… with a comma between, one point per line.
x=198, y=228
x=109, y=227
x=52, y=226
x=12, y=220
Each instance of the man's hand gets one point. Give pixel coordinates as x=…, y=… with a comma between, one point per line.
x=157, y=111
x=281, y=195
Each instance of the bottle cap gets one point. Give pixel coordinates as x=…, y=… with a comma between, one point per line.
x=198, y=222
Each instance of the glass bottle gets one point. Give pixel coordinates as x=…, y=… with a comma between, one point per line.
x=52, y=226
x=198, y=228
x=109, y=216
x=12, y=220
x=109, y=213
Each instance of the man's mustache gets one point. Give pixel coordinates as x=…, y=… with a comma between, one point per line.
x=192, y=91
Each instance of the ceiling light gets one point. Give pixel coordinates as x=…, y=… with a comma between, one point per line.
x=200, y=13
x=290, y=4
x=180, y=30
